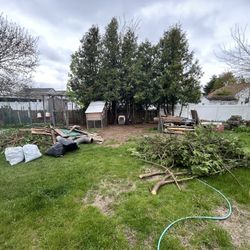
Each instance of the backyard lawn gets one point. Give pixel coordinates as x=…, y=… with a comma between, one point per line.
x=93, y=199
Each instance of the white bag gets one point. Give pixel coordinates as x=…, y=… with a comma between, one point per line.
x=31, y=152
x=14, y=155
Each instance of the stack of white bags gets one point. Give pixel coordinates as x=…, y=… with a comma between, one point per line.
x=16, y=155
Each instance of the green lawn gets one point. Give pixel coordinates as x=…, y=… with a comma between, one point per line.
x=93, y=199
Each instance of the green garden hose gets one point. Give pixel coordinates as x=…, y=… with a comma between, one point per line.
x=199, y=217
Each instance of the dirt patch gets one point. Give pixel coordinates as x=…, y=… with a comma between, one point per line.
x=238, y=225
x=129, y=234
x=120, y=134
x=107, y=193
x=148, y=243
x=103, y=203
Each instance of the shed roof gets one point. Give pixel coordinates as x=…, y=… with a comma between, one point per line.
x=227, y=93
x=95, y=107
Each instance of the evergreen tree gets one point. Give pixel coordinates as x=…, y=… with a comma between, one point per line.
x=84, y=79
x=178, y=72
x=110, y=65
x=128, y=71
x=146, y=85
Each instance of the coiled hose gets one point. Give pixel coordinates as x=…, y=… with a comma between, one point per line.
x=199, y=217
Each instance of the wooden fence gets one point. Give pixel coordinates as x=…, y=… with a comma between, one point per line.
x=10, y=117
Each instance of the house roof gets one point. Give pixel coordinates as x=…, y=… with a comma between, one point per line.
x=35, y=93
x=41, y=91
x=61, y=92
x=95, y=107
x=227, y=93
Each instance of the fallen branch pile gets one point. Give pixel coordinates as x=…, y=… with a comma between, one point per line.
x=202, y=153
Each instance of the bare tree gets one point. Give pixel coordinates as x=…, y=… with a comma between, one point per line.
x=18, y=56
x=238, y=55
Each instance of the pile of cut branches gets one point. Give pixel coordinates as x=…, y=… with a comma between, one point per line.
x=20, y=137
x=201, y=153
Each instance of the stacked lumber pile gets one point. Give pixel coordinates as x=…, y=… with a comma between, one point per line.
x=176, y=124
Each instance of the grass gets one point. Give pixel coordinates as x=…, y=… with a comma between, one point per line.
x=42, y=204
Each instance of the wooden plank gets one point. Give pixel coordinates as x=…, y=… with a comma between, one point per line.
x=40, y=133
x=180, y=129
x=53, y=136
x=58, y=131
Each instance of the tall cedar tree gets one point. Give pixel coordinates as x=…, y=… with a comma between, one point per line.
x=84, y=79
x=110, y=64
x=146, y=85
x=128, y=71
x=179, y=73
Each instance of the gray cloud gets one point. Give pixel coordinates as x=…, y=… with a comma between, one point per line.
x=61, y=24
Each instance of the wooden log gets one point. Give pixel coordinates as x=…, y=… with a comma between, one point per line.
x=142, y=176
x=164, y=182
x=167, y=170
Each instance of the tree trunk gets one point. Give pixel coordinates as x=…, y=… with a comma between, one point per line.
x=181, y=110
x=165, y=109
x=146, y=114
x=127, y=112
x=133, y=112
x=172, y=108
x=114, y=110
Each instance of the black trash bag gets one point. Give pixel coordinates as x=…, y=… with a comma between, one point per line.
x=68, y=144
x=56, y=150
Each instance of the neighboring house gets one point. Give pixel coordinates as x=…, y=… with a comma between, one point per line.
x=38, y=99
x=222, y=103
x=234, y=94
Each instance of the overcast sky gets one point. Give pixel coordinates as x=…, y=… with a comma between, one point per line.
x=60, y=24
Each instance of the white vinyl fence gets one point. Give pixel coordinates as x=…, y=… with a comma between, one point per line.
x=215, y=112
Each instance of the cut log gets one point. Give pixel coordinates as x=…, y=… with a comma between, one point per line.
x=164, y=182
x=142, y=176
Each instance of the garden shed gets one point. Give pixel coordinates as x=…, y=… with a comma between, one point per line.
x=96, y=115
